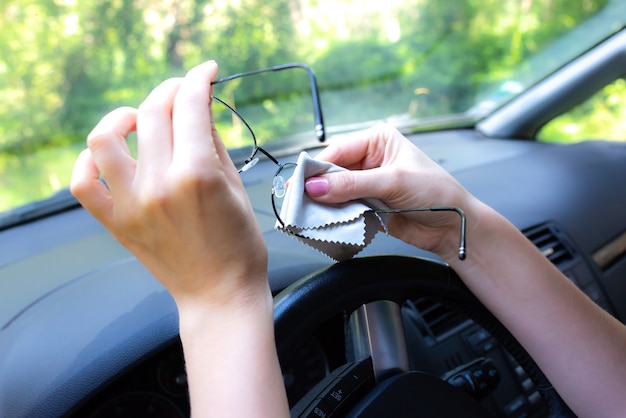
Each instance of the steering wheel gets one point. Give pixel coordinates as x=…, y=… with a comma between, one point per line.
x=382, y=384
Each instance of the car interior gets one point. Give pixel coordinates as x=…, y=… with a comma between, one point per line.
x=86, y=331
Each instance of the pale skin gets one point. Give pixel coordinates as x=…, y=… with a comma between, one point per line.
x=167, y=207
x=580, y=348
x=182, y=210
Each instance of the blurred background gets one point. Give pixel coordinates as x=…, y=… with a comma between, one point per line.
x=65, y=63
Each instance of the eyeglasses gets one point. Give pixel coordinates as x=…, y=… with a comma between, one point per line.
x=284, y=171
x=320, y=132
x=462, y=248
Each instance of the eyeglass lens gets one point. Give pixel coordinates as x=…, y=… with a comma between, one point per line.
x=259, y=107
x=236, y=134
x=242, y=141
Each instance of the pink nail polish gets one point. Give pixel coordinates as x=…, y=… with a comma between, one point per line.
x=316, y=186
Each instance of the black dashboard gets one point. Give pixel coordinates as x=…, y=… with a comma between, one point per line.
x=86, y=331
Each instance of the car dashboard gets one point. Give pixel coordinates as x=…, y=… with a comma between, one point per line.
x=87, y=331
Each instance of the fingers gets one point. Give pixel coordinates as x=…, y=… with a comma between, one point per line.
x=109, y=151
x=90, y=191
x=154, y=129
x=222, y=151
x=345, y=186
x=108, y=156
x=349, y=154
x=365, y=150
x=192, y=120
x=174, y=120
x=365, y=156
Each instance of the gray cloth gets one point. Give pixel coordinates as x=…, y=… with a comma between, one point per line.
x=338, y=230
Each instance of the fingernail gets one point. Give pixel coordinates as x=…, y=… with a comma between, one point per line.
x=316, y=186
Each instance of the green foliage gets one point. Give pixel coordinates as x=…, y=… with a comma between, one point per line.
x=65, y=63
x=601, y=117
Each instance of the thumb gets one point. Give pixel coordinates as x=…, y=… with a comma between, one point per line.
x=344, y=186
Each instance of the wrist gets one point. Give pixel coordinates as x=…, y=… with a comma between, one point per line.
x=253, y=299
x=486, y=230
x=461, y=238
x=230, y=355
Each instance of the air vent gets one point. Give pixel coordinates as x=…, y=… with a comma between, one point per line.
x=547, y=240
x=435, y=320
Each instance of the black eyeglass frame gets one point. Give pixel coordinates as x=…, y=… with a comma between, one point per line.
x=320, y=130
x=462, y=252
x=279, y=181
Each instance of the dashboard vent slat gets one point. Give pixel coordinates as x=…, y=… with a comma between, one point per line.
x=436, y=319
x=546, y=239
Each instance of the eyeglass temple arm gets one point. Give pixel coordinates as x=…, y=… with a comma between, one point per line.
x=320, y=130
x=462, y=248
x=267, y=154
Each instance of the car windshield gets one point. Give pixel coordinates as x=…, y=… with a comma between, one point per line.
x=418, y=64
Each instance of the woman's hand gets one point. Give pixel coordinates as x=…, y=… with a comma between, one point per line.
x=386, y=165
x=557, y=323
x=180, y=207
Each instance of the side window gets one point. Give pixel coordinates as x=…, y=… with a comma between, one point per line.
x=602, y=116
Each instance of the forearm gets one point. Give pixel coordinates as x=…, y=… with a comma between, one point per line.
x=580, y=348
x=181, y=208
x=231, y=360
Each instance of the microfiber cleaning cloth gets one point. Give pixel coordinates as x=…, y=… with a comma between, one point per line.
x=338, y=230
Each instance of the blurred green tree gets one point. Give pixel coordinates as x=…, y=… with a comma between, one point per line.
x=65, y=63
